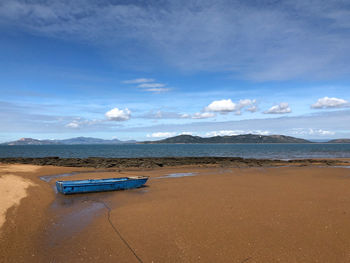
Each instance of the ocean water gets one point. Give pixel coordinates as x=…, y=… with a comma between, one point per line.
x=259, y=151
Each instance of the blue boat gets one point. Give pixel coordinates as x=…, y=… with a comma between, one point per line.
x=100, y=185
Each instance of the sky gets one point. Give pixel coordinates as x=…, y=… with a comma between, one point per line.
x=148, y=70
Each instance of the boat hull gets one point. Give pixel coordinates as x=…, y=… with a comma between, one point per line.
x=100, y=185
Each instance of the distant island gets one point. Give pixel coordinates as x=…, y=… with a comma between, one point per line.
x=340, y=141
x=244, y=138
x=180, y=139
x=72, y=141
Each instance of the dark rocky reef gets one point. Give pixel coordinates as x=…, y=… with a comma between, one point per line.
x=121, y=163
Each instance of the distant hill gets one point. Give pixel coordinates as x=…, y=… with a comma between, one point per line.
x=30, y=141
x=244, y=138
x=89, y=140
x=72, y=141
x=340, y=141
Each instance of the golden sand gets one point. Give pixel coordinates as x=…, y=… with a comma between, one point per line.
x=18, y=168
x=289, y=214
x=12, y=189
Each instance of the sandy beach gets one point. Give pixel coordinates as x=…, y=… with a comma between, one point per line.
x=214, y=213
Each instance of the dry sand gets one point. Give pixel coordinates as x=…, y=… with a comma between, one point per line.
x=13, y=188
x=286, y=214
x=18, y=168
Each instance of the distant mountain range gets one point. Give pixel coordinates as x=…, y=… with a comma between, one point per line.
x=77, y=140
x=244, y=138
x=340, y=141
x=181, y=139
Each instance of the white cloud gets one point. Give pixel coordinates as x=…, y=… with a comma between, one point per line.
x=138, y=81
x=225, y=106
x=147, y=85
x=203, y=115
x=311, y=131
x=326, y=102
x=253, y=108
x=161, y=134
x=281, y=108
x=221, y=106
x=167, y=134
x=246, y=103
x=158, y=90
x=73, y=125
x=151, y=85
x=159, y=114
x=187, y=133
x=260, y=132
x=224, y=133
x=236, y=132
x=118, y=115
x=81, y=122
x=321, y=132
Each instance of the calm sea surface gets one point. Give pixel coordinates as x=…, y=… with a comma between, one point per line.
x=260, y=151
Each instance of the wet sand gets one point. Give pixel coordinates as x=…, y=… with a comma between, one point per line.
x=214, y=214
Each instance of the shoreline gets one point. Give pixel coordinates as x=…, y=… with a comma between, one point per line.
x=156, y=162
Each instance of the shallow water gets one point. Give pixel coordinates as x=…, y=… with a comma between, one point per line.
x=73, y=219
x=73, y=213
x=176, y=175
x=48, y=178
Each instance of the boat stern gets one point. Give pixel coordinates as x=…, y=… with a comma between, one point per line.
x=59, y=187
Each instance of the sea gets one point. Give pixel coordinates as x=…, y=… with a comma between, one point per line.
x=258, y=151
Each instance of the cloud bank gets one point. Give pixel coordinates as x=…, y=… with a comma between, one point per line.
x=335, y=122
x=259, y=41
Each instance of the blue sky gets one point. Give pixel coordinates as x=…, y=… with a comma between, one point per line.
x=152, y=69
